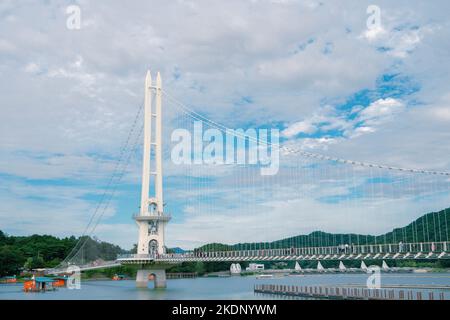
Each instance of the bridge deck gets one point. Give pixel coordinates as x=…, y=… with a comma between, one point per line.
x=410, y=251
x=178, y=259
x=407, y=251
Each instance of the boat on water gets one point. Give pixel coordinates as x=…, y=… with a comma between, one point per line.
x=264, y=276
x=118, y=277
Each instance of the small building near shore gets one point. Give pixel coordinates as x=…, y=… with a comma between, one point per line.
x=8, y=279
x=60, y=281
x=255, y=267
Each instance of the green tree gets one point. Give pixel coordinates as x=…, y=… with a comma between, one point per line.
x=11, y=260
x=199, y=267
x=34, y=263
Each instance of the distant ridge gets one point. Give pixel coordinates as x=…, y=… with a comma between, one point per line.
x=433, y=226
x=176, y=250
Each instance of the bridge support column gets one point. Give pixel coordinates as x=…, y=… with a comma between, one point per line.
x=142, y=278
x=159, y=275
x=160, y=278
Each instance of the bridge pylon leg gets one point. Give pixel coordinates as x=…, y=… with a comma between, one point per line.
x=159, y=278
x=142, y=278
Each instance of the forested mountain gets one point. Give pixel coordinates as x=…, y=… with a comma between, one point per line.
x=38, y=251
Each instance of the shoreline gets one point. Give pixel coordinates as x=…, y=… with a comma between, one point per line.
x=223, y=274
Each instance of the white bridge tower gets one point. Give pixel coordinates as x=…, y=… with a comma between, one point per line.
x=151, y=219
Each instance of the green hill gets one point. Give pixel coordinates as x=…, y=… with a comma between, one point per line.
x=39, y=251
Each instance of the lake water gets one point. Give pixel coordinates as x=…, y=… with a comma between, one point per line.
x=229, y=288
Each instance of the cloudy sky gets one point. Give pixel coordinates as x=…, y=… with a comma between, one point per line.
x=312, y=69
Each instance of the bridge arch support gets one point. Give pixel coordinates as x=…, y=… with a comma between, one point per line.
x=159, y=278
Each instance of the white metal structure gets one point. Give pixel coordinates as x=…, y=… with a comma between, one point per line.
x=235, y=268
x=320, y=268
x=254, y=267
x=151, y=219
x=363, y=266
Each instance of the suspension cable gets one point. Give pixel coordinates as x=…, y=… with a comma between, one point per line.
x=197, y=116
x=82, y=240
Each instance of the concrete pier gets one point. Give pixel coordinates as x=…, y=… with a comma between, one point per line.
x=142, y=278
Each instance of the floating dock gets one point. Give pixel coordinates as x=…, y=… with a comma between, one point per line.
x=346, y=293
x=181, y=275
x=39, y=284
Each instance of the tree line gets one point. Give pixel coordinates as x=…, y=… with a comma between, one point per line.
x=45, y=251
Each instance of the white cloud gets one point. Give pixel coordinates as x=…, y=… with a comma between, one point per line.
x=374, y=33
x=360, y=131
x=32, y=68
x=318, y=143
x=381, y=111
x=299, y=127
x=56, y=166
x=442, y=114
x=367, y=120
x=6, y=46
x=440, y=111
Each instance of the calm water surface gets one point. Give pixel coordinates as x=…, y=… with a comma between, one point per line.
x=214, y=288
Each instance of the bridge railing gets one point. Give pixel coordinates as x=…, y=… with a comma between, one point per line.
x=136, y=256
x=345, y=249
x=87, y=266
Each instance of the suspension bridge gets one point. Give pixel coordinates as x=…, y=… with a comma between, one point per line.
x=351, y=186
